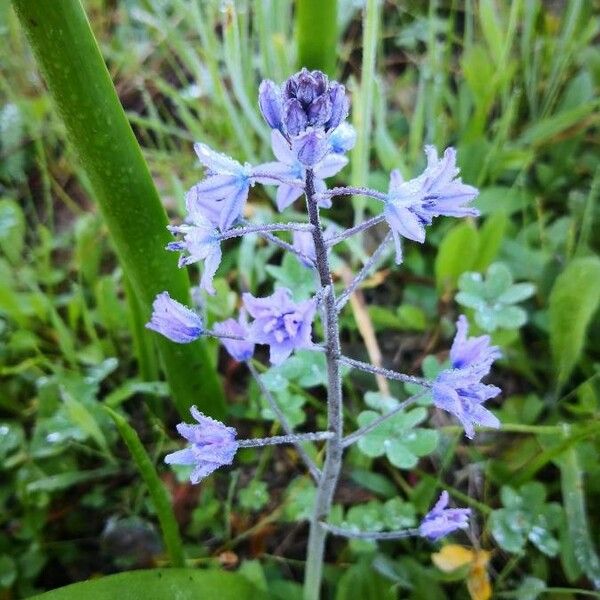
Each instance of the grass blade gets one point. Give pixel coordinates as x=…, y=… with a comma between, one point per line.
x=158, y=493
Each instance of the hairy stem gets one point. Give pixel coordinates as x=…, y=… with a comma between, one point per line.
x=241, y=231
x=285, y=439
x=388, y=373
x=354, y=230
x=370, y=535
x=363, y=273
x=310, y=465
x=334, y=449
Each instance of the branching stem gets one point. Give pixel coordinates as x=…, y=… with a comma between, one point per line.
x=334, y=449
x=388, y=373
x=295, y=438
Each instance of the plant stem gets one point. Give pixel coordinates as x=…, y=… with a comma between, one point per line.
x=371, y=535
x=395, y=375
x=334, y=449
x=295, y=438
x=270, y=227
x=310, y=465
x=363, y=273
x=354, y=230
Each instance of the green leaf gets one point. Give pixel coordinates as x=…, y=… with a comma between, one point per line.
x=8, y=571
x=12, y=229
x=158, y=584
x=573, y=301
x=456, y=255
x=578, y=527
x=501, y=200
x=80, y=86
x=491, y=236
x=517, y=293
x=299, y=500
x=254, y=496
x=398, y=514
x=291, y=274
x=158, y=493
x=364, y=582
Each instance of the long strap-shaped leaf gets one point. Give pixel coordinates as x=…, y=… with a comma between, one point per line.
x=317, y=34
x=80, y=85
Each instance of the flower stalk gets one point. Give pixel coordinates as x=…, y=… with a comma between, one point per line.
x=334, y=449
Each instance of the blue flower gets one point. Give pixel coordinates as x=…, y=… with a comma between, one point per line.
x=201, y=242
x=279, y=322
x=459, y=390
x=290, y=168
x=174, y=320
x=212, y=445
x=411, y=205
x=220, y=197
x=441, y=521
x=305, y=110
x=241, y=350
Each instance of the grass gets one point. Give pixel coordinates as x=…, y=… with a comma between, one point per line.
x=513, y=86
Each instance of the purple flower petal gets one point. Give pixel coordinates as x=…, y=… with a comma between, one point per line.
x=441, y=521
x=269, y=100
x=174, y=320
x=241, y=350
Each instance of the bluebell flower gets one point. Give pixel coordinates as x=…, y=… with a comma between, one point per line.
x=212, y=445
x=305, y=110
x=441, y=521
x=290, y=168
x=412, y=205
x=222, y=195
x=281, y=323
x=174, y=320
x=241, y=350
x=459, y=390
x=201, y=242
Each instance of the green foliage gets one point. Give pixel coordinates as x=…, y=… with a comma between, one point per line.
x=526, y=516
x=398, y=438
x=494, y=297
x=573, y=301
x=254, y=496
x=157, y=584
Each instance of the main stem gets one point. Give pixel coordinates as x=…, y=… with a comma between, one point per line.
x=334, y=448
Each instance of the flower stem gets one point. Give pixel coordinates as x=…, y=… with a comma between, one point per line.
x=354, y=230
x=388, y=373
x=295, y=438
x=362, y=274
x=334, y=449
x=353, y=191
x=354, y=437
x=287, y=427
x=370, y=535
x=241, y=231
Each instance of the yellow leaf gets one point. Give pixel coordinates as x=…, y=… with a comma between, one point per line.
x=478, y=581
x=452, y=557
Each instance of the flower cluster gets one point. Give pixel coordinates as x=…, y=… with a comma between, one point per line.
x=309, y=139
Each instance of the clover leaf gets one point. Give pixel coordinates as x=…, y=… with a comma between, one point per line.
x=494, y=297
x=398, y=438
x=254, y=496
x=526, y=516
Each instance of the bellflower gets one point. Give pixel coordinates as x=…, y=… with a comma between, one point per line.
x=441, y=521
x=290, y=168
x=303, y=242
x=241, y=350
x=174, y=320
x=411, y=205
x=200, y=242
x=281, y=323
x=459, y=390
x=212, y=445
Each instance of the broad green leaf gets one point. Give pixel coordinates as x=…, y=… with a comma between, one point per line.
x=8, y=571
x=573, y=301
x=492, y=29
x=456, y=255
x=517, y=293
x=299, y=500
x=501, y=200
x=398, y=514
x=291, y=274
x=159, y=584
